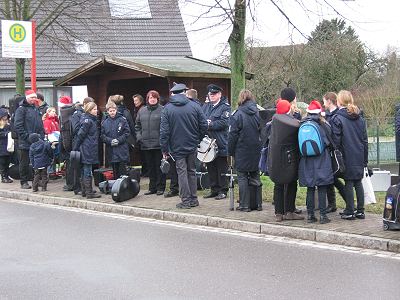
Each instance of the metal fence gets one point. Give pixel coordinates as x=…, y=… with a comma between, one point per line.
x=381, y=140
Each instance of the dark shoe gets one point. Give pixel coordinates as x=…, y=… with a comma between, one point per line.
x=220, y=196
x=345, y=216
x=35, y=190
x=360, y=215
x=344, y=213
x=259, y=208
x=183, y=205
x=330, y=209
x=298, y=211
x=92, y=195
x=292, y=216
x=243, y=209
x=6, y=180
x=171, y=194
x=66, y=188
x=210, y=195
x=25, y=185
x=324, y=220
x=278, y=218
x=194, y=203
x=311, y=219
x=150, y=193
x=159, y=193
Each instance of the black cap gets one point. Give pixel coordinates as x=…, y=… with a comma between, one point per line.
x=178, y=88
x=213, y=88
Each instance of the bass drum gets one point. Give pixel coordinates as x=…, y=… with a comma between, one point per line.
x=207, y=150
x=124, y=189
x=13, y=172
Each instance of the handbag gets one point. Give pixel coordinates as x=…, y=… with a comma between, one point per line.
x=369, y=195
x=10, y=143
x=338, y=166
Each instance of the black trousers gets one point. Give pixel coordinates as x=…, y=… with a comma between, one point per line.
x=285, y=197
x=331, y=192
x=216, y=168
x=157, y=178
x=23, y=157
x=40, y=178
x=119, y=169
x=174, y=185
x=357, y=185
x=4, y=165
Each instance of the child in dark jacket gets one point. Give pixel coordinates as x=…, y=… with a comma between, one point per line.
x=5, y=156
x=114, y=133
x=40, y=156
x=316, y=170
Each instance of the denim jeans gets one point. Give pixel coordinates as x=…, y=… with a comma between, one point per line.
x=86, y=170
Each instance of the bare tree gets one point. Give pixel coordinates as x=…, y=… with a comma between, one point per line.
x=53, y=23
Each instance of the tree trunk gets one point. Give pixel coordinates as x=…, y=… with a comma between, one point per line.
x=20, y=75
x=237, y=49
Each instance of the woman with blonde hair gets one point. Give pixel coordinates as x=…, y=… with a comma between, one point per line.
x=350, y=135
x=244, y=144
x=86, y=142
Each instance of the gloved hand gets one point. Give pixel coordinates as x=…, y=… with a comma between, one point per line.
x=114, y=142
x=370, y=172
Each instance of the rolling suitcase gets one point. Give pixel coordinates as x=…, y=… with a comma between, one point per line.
x=124, y=189
x=391, y=211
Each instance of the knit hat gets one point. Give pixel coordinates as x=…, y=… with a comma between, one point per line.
x=30, y=94
x=314, y=107
x=282, y=107
x=288, y=94
x=33, y=138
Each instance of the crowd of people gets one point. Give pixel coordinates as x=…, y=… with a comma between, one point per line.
x=173, y=132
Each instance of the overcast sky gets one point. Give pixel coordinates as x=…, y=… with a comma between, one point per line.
x=377, y=22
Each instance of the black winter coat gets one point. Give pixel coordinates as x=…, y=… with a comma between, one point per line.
x=27, y=120
x=183, y=126
x=244, y=142
x=329, y=115
x=40, y=154
x=148, y=127
x=87, y=140
x=350, y=135
x=219, y=126
x=3, y=140
x=116, y=128
x=76, y=121
x=317, y=170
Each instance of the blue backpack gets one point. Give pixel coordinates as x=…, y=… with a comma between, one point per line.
x=310, y=140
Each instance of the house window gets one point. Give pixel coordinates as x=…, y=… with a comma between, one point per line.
x=82, y=48
x=130, y=9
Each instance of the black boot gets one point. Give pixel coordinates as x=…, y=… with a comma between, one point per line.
x=90, y=194
x=5, y=178
x=35, y=182
x=83, y=189
x=45, y=180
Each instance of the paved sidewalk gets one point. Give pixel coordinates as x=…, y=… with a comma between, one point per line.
x=366, y=233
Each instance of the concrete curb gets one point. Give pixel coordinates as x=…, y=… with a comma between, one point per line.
x=316, y=235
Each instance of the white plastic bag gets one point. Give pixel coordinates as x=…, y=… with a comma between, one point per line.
x=369, y=195
x=10, y=143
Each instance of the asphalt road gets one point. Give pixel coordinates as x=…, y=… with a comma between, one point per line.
x=50, y=253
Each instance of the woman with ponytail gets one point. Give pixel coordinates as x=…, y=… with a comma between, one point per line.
x=350, y=134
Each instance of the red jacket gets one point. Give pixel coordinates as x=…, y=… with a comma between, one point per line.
x=51, y=124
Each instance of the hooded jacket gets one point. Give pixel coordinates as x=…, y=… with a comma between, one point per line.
x=183, y=126
x=219, y=125
x=350, y=135
x=87, y=140
x=27, y=120
x=147, y=126
x=317, y=170
x=244, y=142
x=116, y=128
x=40, y=154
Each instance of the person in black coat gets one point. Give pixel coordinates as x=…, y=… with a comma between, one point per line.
x=27, y=120
x=183, y=126
x=5, y=156
x=86, y=142
x=123, y=111
x=316, y=171
x=217, y=112
x=114, y=133
x=148, y=135
x=330, y=105
x=40, y=155
x=244, y=144
x=350, y=134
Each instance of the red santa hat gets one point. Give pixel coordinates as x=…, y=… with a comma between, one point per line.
x=282, y=107
x=314, y=107
x=30, y=94
x=65, y=100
